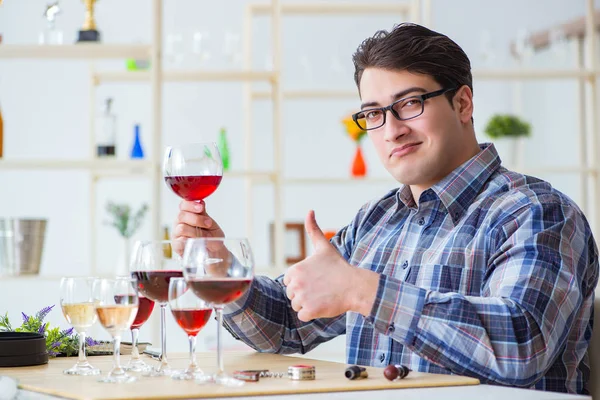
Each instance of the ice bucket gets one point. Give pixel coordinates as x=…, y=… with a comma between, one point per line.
x=21, y=245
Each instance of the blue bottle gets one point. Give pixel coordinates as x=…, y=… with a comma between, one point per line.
x=136, y=150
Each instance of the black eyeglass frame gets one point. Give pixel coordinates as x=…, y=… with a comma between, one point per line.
x=390, y=108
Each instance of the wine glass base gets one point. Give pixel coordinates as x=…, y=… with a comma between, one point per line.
x=226, y=380
x=82, y=369
x=156, y=372
x=137, y=366
x=186, y=375
x=118, y=379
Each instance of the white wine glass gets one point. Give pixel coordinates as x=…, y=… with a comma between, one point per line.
x=116, y=303
x=78, y=308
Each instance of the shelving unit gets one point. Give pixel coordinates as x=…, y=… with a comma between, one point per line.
x=416, y=10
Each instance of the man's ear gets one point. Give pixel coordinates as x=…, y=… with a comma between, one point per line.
x=463, y=103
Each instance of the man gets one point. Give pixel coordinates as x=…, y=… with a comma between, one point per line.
x=467, y=268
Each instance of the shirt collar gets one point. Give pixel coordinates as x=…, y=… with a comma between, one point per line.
x=458, y=190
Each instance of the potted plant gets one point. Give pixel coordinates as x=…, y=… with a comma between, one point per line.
x=127, y=223
x=511, y=127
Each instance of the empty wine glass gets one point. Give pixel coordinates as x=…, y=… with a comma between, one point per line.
x=145, y=307
x=191, y=314
x=78, y=308
x=116, y=304
x=219, y=271
x=153, y=265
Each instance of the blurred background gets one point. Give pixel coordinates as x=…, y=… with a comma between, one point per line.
x=532, y=61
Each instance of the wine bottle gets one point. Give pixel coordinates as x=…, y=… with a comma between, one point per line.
x=136, y=150
x=1, y=134
x=167, y=250
x=106, y=140
x=223, y=148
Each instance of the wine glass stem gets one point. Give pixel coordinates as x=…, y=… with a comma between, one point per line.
x=82, y=358
x=193, y=364
x=135, y=354
x=117, y=356
x=219, y=313
x=163, y=337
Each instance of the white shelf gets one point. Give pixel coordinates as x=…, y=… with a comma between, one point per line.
x=332, y=8
x=75, y=51
x=134, y=167
x=341, y=180
x=310, y=94
x=186, y=76
x=256, y=175
x=537, y=73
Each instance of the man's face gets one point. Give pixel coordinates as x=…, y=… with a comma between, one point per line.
x=423, y=150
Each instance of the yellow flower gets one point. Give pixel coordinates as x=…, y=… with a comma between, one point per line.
x=355, y=133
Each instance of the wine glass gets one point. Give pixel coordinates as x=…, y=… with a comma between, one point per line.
x=191, y=314
x=145, y=307
x=219, y=271
x=78, y=308
x=116, y=302
x=194, y=171
x=153, y=265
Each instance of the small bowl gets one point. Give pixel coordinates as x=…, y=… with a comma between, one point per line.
x=19, y=349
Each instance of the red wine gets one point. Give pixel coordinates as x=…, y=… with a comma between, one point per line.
x=155, y=284
x=145, y=307
x=192, y=320
x=144, y=311
x=219, y=291
x=193, y=187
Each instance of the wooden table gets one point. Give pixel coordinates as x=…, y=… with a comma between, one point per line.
x=329, y=385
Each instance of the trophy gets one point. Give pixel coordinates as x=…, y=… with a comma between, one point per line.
x=88, y=33
x=51, y=35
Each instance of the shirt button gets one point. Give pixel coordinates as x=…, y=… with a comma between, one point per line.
x=382, y=357
x=405, y=265
x=391, y=329
x=421, y=221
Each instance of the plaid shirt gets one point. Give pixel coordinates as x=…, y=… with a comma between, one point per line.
x=491, y=275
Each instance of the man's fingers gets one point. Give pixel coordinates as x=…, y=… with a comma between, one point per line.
x=315, y=234
x=184, y=231
x=296, y=304
x=192, y=219
x=196, y=207
x=289, y=293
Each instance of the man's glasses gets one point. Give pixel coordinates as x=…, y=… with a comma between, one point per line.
x=402, y=109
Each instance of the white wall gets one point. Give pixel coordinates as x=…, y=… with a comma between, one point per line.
x=45, y=107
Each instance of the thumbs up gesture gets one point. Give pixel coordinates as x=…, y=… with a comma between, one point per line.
x=324, y=285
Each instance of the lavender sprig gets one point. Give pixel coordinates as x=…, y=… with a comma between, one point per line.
x=44, y=312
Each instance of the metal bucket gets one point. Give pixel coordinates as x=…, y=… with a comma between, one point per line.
x=21, y=245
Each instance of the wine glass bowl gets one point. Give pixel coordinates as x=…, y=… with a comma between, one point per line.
x=116, y=303
x=78, y=309
x=219, y=271
x=193, y=172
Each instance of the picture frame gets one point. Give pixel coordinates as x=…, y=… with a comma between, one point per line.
x=294, y=242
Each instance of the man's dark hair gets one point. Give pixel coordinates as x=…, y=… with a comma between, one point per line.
x=415, y=49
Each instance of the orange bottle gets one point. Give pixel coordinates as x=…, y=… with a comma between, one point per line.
x=1, y=134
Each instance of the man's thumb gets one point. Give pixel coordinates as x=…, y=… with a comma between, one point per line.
x=315, y=234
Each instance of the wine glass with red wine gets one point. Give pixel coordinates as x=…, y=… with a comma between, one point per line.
x=145, y=307
x=219, y=271
x=153, y=264
x=194, y=171
x=191, y=314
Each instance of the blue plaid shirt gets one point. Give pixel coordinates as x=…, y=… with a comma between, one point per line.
x=491, y=275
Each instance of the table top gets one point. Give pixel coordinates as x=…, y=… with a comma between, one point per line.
x=330, y=383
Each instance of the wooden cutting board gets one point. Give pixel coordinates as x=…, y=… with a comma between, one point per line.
x=49, y=379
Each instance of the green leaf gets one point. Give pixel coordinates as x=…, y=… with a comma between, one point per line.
x=506, y=125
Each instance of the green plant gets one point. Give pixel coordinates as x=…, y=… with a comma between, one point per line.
x=57, y=342
x=506, y=125
x=123, y=219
